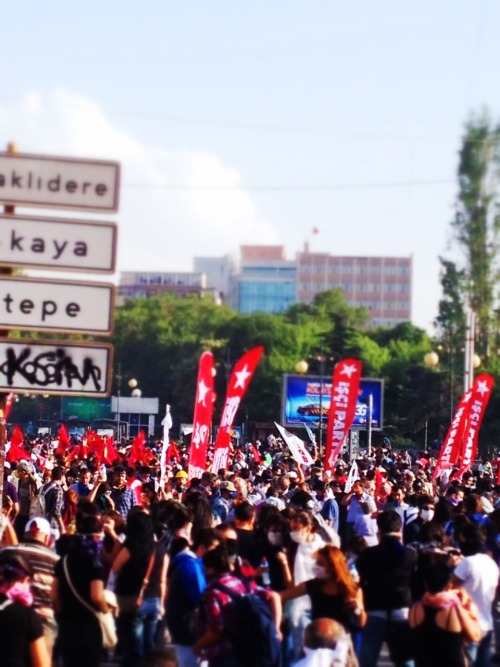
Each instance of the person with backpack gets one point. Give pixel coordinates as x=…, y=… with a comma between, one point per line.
x=238, y=621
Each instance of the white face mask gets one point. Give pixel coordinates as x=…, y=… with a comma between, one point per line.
x=298, y=536
x=276, y=539
x=427, y=515
x=319, y=572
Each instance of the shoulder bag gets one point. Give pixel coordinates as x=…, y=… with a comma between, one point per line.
x=105, y=618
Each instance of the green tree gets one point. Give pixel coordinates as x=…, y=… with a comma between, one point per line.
x=477, y=222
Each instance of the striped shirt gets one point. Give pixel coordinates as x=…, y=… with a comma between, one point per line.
x=42, y=561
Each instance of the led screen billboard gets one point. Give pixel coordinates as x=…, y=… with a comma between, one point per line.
x=305, y=397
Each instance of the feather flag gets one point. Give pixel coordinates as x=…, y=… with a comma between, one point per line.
x=241, y=377
x=345, y=390
x=202, y=419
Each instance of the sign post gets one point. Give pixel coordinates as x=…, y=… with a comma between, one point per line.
x=62, y=368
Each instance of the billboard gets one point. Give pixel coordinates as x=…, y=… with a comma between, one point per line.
x=306, y=397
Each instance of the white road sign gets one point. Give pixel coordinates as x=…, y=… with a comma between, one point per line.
x=55, y=367
x=69, y=245
x=50, y=305
x=57, y=182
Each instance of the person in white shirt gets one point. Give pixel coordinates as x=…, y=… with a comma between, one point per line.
x=479, y=575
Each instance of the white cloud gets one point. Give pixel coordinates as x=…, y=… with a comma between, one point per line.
x=159, y=228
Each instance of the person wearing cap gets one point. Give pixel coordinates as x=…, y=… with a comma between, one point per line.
x=181, y=482
x=222, y=503
x=36, y=551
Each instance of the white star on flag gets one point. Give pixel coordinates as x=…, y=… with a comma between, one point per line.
x=242, y=376
x=482, y=387
x=348, y=370
x=202, y=392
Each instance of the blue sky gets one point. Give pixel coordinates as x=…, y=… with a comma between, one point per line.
x=349, y=113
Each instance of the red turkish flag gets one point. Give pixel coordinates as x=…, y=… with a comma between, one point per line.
x=138, y=448
x=481, y=392
x=241, y=376
x=16, y=451
x=345, y=388
x=172, y=452
x=203, y=409
x=452, y=444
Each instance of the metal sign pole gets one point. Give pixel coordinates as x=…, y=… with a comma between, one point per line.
x=8, y=210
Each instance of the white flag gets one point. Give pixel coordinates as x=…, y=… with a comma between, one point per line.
x=297, y=447
x=352, y=477
x=167, y=425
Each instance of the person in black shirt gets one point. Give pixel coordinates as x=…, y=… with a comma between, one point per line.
x=385, y=571
x=21, y=635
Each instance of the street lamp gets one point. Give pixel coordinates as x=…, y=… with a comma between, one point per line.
x=132, y=383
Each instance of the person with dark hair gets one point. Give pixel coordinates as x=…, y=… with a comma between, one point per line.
x=79, y=640
x=21, y=633
x=385, y=571
x=249, y=547
x=123, y=496
x=479, y=575
x=440, y=622
x=426, y=510
x=186, y=584
x=140, y=569
x=218, y=621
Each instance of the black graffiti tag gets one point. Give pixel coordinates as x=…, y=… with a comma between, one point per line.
x=49, y=368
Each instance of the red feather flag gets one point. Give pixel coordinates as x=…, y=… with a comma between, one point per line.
x=345, y=388
x=241, y=376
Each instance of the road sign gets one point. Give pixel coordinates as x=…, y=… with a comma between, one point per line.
x=69, y=245
x=57, y=182
x=35, y=304
x=56, y=367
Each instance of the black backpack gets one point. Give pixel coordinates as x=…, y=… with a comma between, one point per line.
x=255, y=640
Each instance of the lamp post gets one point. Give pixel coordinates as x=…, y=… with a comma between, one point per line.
x=302, y=367
x=132, y=383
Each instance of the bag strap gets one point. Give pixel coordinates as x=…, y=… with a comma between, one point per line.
x=73, y=589
x=5, y=604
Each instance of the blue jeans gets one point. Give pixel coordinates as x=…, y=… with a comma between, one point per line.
x=479, y=653
x=375, y=632
x=136, y=632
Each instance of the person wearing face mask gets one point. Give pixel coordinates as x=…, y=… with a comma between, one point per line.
x=426, y=510
x=273, y=549
x=305, y=543
x=332, y=591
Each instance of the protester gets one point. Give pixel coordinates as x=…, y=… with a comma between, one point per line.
x=21, y=633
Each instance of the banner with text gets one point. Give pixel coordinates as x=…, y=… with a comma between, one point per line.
x=452, y=445
x=203, y=409
x=241, y=376
x=345, y=388
x=481, y=392
x=297, y=447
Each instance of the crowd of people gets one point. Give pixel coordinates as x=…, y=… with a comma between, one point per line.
x=267, y=563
